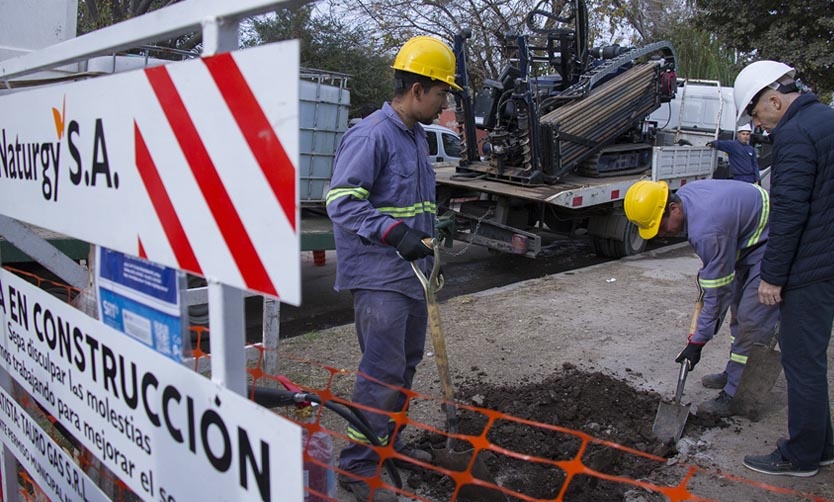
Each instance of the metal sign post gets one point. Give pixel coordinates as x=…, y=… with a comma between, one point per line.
x=191, y=165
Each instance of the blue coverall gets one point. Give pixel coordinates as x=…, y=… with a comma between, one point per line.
x=381, y=176
x=726, y=224
x=742, y=158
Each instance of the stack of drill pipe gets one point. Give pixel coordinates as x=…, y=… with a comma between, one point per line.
x=601, y=117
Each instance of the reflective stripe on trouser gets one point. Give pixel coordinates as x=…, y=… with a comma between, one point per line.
x=752, y=322
x=805, y=333
x=391, y=329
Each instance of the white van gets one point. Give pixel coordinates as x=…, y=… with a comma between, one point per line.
x=444, y=143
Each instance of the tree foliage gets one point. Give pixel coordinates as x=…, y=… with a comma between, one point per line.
x=798, y=33
x=625, y=22
x=97, y=14
x=700, y=55
x=395, y=21
x=329, y=43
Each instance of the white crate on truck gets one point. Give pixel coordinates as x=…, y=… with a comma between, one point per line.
x=670, y=162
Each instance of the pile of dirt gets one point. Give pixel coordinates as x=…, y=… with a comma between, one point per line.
x=592, y=403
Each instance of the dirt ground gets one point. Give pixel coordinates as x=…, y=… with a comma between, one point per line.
x=592, y=351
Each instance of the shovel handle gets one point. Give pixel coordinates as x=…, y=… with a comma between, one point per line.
x=681, y=381
x=441, y=357
x=696, y=313
x=434, y=282
x=431, y=285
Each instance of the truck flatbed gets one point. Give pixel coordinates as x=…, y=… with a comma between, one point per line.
x=574, y=192
x=676, y=165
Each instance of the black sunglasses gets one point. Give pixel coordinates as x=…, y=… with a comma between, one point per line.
x=754, y=102
x=776, y=86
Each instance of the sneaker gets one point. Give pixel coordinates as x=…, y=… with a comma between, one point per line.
x=411, y=452
x=715, y=380
x=362, y=492
x=776, y=464
x=827, y=459
x=721, y=406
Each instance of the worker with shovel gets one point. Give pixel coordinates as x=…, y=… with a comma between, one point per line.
x=726, y=224
x=382, y=203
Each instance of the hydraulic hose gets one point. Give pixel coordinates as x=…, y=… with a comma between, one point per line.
x=272, y=398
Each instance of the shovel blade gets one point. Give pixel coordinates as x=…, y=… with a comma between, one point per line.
x=763, y=367
x=670, y=421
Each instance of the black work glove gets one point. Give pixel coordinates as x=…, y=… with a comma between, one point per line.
x=692, y=353
x=710, y=144
x=409, y=242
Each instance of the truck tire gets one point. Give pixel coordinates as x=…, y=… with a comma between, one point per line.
x=615, y=237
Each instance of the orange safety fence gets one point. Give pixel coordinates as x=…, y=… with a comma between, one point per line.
x=572, y=469
x=563, y=471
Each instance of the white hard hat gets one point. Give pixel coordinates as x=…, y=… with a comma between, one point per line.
x=744, y=128
x=752, y=79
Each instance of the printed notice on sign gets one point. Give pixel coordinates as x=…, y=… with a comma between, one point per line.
x=192, y=165
x=167, y=432
x=141, y=299
x=51, y=467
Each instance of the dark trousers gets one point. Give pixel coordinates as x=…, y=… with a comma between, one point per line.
x=805, y=332
x=391, y=328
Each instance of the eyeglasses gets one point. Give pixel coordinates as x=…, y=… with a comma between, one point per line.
x=776, y=86
x=755, y=101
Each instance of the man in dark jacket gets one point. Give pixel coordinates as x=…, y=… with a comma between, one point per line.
x=798, y=267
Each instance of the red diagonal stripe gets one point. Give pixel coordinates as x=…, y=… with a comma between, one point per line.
x=218, y=200
x=162, y=205
x=265, y=145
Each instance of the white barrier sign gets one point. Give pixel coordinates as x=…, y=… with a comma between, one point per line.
x=191, y=165
x=167, y=432
x=48, y=464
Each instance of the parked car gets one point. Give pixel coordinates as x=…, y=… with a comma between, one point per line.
x=444, y=143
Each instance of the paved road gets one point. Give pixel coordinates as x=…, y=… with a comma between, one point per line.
x=466, y=269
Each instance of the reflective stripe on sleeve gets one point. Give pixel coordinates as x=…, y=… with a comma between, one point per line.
x=335, y=193
x=765, y=214
x=717, y=283
x=410, y=211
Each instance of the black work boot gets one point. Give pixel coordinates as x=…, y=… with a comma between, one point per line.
x=721, y=406
x=412, y=452
x=361, y=492
x=715, y=380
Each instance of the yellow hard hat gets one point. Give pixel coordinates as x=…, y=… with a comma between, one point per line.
x=429, y=57
x=644, y=204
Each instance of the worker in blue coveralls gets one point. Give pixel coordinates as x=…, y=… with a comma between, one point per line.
x=727, y=225
x=382, y=203
x=741, y=155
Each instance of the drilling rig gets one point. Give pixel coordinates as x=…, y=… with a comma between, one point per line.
x=567, y=134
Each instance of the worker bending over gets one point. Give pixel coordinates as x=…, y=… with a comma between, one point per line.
x=726, y=224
